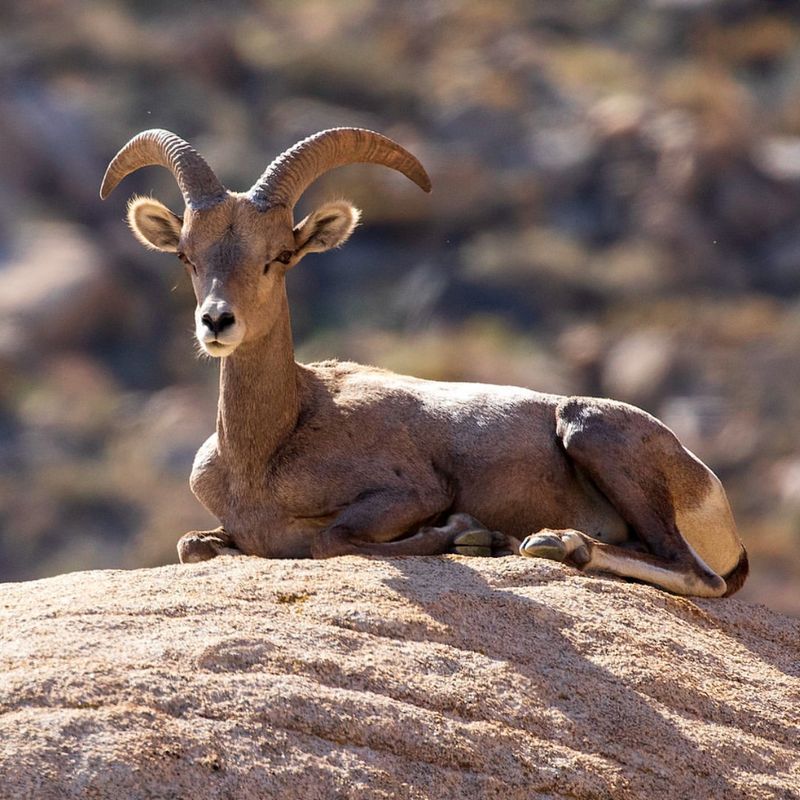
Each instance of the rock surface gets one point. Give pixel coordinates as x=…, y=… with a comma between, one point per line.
x=405, y=678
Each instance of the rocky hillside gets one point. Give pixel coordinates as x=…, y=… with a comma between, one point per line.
x=354, y=678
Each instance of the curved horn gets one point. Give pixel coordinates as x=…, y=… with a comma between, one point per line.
x=292, y=172
x=198, y=183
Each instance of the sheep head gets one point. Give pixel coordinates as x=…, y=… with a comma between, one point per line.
x=237, y=247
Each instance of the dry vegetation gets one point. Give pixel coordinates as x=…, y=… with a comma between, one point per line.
x=616, y=188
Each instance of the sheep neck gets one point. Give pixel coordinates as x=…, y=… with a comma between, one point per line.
x=258, y=399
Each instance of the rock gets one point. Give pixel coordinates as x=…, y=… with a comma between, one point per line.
x=637, y=367
x=56, y=292
x=397, y=678
x=779, y=157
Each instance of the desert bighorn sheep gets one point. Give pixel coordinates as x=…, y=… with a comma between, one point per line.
x=336, y=458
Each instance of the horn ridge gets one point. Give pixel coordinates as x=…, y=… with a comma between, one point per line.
x=292, y=172
x=199, y=185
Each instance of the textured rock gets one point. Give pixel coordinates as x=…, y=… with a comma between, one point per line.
x=56, y=293
x=365, y=678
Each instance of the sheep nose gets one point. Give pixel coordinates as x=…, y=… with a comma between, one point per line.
x=218, y=322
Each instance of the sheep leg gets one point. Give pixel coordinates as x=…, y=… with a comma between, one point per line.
x=461, y=534
x=378, y=524
x=639, y=465
x=579, y=550
x=204, y=545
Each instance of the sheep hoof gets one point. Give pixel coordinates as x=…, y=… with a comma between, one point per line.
x=472, y=538
x=197, y=546
x=192, y=550
x=504, y=545
x=478, y=537
x=475, y=542
x=469, y=550
x=544, y=545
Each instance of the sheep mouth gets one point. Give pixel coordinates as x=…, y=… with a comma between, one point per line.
x=218, y=349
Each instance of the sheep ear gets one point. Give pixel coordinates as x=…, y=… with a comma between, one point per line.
x=329, y=226
x=154, y=225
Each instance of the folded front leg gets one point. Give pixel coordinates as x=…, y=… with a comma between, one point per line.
x=378, y=522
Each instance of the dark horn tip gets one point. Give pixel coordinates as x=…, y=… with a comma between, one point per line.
x=107, y=186
x=420, y=177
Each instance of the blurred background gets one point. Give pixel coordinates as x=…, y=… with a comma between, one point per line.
x=615, y=212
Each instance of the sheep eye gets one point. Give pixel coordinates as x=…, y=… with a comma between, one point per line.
x=182, y=257
x=285, y=256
